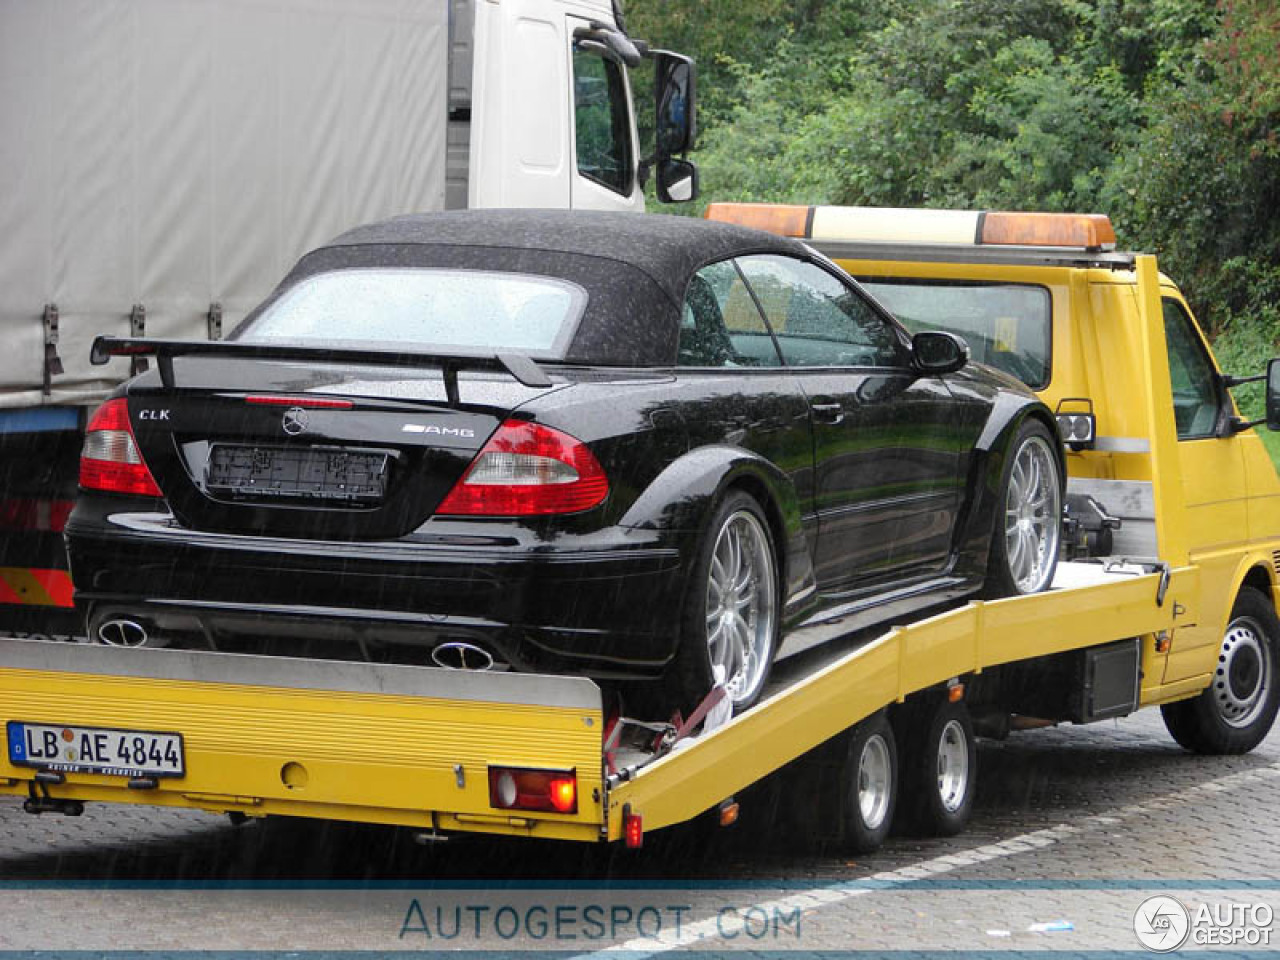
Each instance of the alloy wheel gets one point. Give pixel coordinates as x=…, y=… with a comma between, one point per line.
x=741, y=604
x=1032, y=511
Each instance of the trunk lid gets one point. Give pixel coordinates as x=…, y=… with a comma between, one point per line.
x=314, y=450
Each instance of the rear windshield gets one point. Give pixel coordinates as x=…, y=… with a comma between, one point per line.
x=1007, y=325
x=441, y=309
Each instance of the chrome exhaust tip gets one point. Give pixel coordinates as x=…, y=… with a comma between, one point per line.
x=122, y=633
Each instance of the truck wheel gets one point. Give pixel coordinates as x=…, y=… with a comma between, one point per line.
x=1024, y=543
x=730, y=617
x=869, y=785
x=939, y=768
x=1237, y=709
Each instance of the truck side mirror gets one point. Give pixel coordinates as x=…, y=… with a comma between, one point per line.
x=1273, y=394
x=673, y=93
x=677, y=181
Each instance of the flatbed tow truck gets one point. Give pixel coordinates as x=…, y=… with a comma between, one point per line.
x=1167, y=597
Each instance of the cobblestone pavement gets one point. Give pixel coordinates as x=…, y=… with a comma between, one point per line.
x=1074, y=827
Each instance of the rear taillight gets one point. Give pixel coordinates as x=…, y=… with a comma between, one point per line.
x=111, y=460
x=527, y=469
x=515, y=788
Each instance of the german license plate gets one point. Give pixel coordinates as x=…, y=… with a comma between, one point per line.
x=355, y=477
x=121, y=753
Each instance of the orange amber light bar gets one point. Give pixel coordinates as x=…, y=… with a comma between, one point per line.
x=785, y=220
x=1092, y=231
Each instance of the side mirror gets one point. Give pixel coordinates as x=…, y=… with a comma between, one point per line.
x=1273, y=394
x=677, y=181
x=937, y=352
x=675, y=104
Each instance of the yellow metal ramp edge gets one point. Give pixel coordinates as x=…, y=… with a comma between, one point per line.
x=686, y=782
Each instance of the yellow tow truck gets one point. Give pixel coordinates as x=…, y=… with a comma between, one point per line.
x=1166, y=595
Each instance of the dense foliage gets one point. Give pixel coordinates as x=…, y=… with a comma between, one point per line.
x=1163, y=113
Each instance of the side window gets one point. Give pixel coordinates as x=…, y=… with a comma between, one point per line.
x=1197, y=402
x=601, y=121
x=817, y=319
x=720, y=325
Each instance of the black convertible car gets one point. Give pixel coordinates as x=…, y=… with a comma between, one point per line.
x=621, y=445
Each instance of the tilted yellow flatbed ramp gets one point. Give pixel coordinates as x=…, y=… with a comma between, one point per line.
x=414, y=745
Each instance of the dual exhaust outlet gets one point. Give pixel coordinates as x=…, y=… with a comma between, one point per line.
x=453, y=655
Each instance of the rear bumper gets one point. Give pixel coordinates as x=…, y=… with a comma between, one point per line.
x=605, y=603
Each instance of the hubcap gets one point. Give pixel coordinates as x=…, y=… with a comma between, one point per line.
x=741, y=604
x=953, y=766
x=873, y=782
x=1242, y=681
x=1032, y=516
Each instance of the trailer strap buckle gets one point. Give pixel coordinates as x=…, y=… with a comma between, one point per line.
x=52, y=362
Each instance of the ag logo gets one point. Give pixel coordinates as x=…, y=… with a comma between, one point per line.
x=295, y=421
x=1161, y=923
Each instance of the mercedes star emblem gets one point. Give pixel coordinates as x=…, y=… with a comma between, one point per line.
x=295, y=421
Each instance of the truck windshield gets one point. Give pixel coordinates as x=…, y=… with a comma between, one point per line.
x=463, y=310
x=1006, y=325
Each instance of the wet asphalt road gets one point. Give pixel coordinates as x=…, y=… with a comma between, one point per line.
x=1084, y=808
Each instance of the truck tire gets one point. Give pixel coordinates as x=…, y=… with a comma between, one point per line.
x=1028, y=517
x=741, y=596
x=868, y=785
x=1236, y=711
x=939, y=760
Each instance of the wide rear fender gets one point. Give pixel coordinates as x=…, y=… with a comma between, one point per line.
x=683, y=495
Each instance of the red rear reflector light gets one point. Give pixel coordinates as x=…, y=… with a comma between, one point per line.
x=307, y=403
x=516, y=788
x=110, y=460
x=528, y=470
x=632, y=828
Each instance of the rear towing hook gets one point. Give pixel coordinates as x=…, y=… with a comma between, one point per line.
x=39, y=801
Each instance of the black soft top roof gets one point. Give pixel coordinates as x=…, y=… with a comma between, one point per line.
x=634, y=266
x=667, y=248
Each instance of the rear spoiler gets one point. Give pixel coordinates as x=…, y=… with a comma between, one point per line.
x=520, y=366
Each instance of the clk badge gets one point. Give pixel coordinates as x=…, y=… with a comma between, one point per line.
x=295, y=421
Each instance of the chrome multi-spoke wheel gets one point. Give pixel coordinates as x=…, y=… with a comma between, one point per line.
x=1032, y=515
x=742, y=605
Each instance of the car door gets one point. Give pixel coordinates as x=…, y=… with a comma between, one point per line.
x=732, y=388
x=887, y=464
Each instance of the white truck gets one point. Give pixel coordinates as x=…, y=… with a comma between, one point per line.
x=162, y=164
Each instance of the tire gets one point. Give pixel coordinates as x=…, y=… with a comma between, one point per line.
x=939, y=761
x=731, y=610
x=1028, y=525
x=868, y=785
x=1236, y=711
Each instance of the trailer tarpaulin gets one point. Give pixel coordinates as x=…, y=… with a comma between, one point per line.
x=173, y=155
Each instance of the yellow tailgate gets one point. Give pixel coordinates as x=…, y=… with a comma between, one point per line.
x=353, y=741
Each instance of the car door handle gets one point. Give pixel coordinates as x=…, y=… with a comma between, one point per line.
x=827, y=412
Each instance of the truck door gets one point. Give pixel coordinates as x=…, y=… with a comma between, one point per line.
x=1213, y=480
x=551, y=121
x=603, y=174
